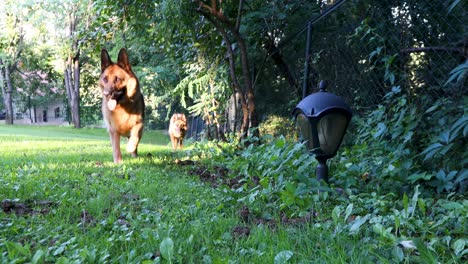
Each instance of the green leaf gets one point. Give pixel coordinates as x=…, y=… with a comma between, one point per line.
x=463, y=175
x=457, y=126
x=381, y=128
x=348, y=211
x=405, y=204
x=63, y=260
x=458, y=72
x=420, y=176
x=432, y=108
x=283, y=257
x=167, y=248
x=391, y=78
x=14, y=247
x=452, y=206
x=375, y=52
x=451, y=175
x=459, y=246
x=422, y=206
x=430, y=151
x=398, y=253
x=425, y=253
x=445, y=149
x=358, y=223
x=264, y=182
x=445, y=137
x=441, y=175
x=336, y=212
x=37, y=256
x=414, y=200
x=407, y=137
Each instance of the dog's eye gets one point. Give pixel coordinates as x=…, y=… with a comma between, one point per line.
x=105, y=79
x=116, y=80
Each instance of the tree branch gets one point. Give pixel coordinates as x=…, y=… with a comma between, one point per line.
x=204, y=6
x=216, y=13
x=239, y=11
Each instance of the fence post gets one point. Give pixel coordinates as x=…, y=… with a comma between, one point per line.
x=196, y=128
x=307, y=60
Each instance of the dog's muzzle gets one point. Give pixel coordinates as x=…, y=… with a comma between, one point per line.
x=113, y=94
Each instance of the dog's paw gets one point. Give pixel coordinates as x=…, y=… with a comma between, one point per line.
x=132, y=145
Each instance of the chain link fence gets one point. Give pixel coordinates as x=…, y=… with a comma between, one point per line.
x=364, y=48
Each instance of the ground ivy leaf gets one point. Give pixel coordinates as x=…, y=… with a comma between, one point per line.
x=167, y=248
x=283, y=256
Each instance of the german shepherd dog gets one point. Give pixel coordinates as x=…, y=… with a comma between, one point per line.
x=123, y=105
x=177, y=129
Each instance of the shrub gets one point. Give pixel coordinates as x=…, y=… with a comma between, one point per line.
x=406, y=141
x=278, y=125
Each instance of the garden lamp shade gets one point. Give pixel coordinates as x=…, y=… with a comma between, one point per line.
x=322, y=119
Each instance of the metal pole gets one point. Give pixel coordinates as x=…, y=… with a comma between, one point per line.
x=307, y=60
x=322, y=170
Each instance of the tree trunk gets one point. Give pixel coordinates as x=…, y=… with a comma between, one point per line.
x=218, y=131
x=237, y=99
x=35, y=113
x=72, y=85
x=252, y=119
x=76, y=86
x=7, y=90
x=215, y=15
x=72, y=71
x=283, y=68
x=232, y=73
x=251, y=111
x=237, y=88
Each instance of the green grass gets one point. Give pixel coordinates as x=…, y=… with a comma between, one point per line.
x=87, y=209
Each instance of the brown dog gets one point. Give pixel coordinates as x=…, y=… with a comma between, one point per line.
x=123, y=106
x=177, y=129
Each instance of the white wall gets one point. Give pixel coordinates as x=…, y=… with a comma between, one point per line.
x=52, y=117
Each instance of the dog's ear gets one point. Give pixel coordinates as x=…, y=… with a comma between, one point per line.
x=123, y=60
x=105, y=60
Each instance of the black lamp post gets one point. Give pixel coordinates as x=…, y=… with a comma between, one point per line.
x=322, y=119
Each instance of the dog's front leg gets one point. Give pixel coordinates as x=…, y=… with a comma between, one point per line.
x=173, y=142
x=181, y=143
x=134, y=139
x=115, y=140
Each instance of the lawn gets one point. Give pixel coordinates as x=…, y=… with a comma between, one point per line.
x=64, y=201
